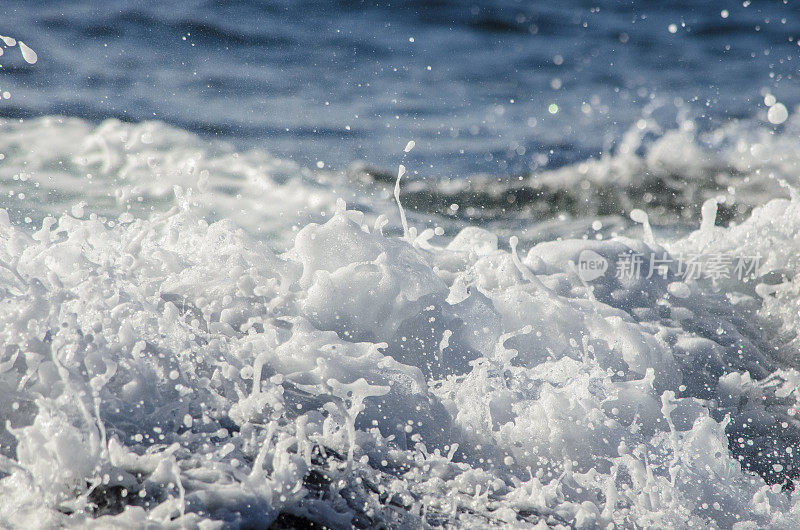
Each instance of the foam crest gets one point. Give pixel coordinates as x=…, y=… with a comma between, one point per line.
x=170, y=370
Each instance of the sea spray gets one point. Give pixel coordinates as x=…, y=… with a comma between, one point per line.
x=364, y=378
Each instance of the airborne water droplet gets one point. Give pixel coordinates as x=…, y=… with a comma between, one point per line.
x=777, y=114
x=27, y=53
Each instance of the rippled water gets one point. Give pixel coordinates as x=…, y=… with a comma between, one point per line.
x=339, y=82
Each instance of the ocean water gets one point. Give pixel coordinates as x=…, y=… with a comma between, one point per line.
x=343, y=82
x=435, y=264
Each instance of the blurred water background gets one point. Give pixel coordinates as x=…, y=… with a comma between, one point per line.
x=501, y=87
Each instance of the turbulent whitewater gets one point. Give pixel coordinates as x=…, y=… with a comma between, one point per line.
x=206, y=338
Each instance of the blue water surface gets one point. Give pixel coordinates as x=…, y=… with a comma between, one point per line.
x=496, y=86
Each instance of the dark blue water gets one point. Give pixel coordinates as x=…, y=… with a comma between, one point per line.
x=473, y=83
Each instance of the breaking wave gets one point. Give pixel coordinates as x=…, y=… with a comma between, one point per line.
x=191, y=342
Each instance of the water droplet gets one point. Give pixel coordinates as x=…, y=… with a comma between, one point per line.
x=28, y=54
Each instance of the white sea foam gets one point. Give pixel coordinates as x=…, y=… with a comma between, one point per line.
x=163, y=365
